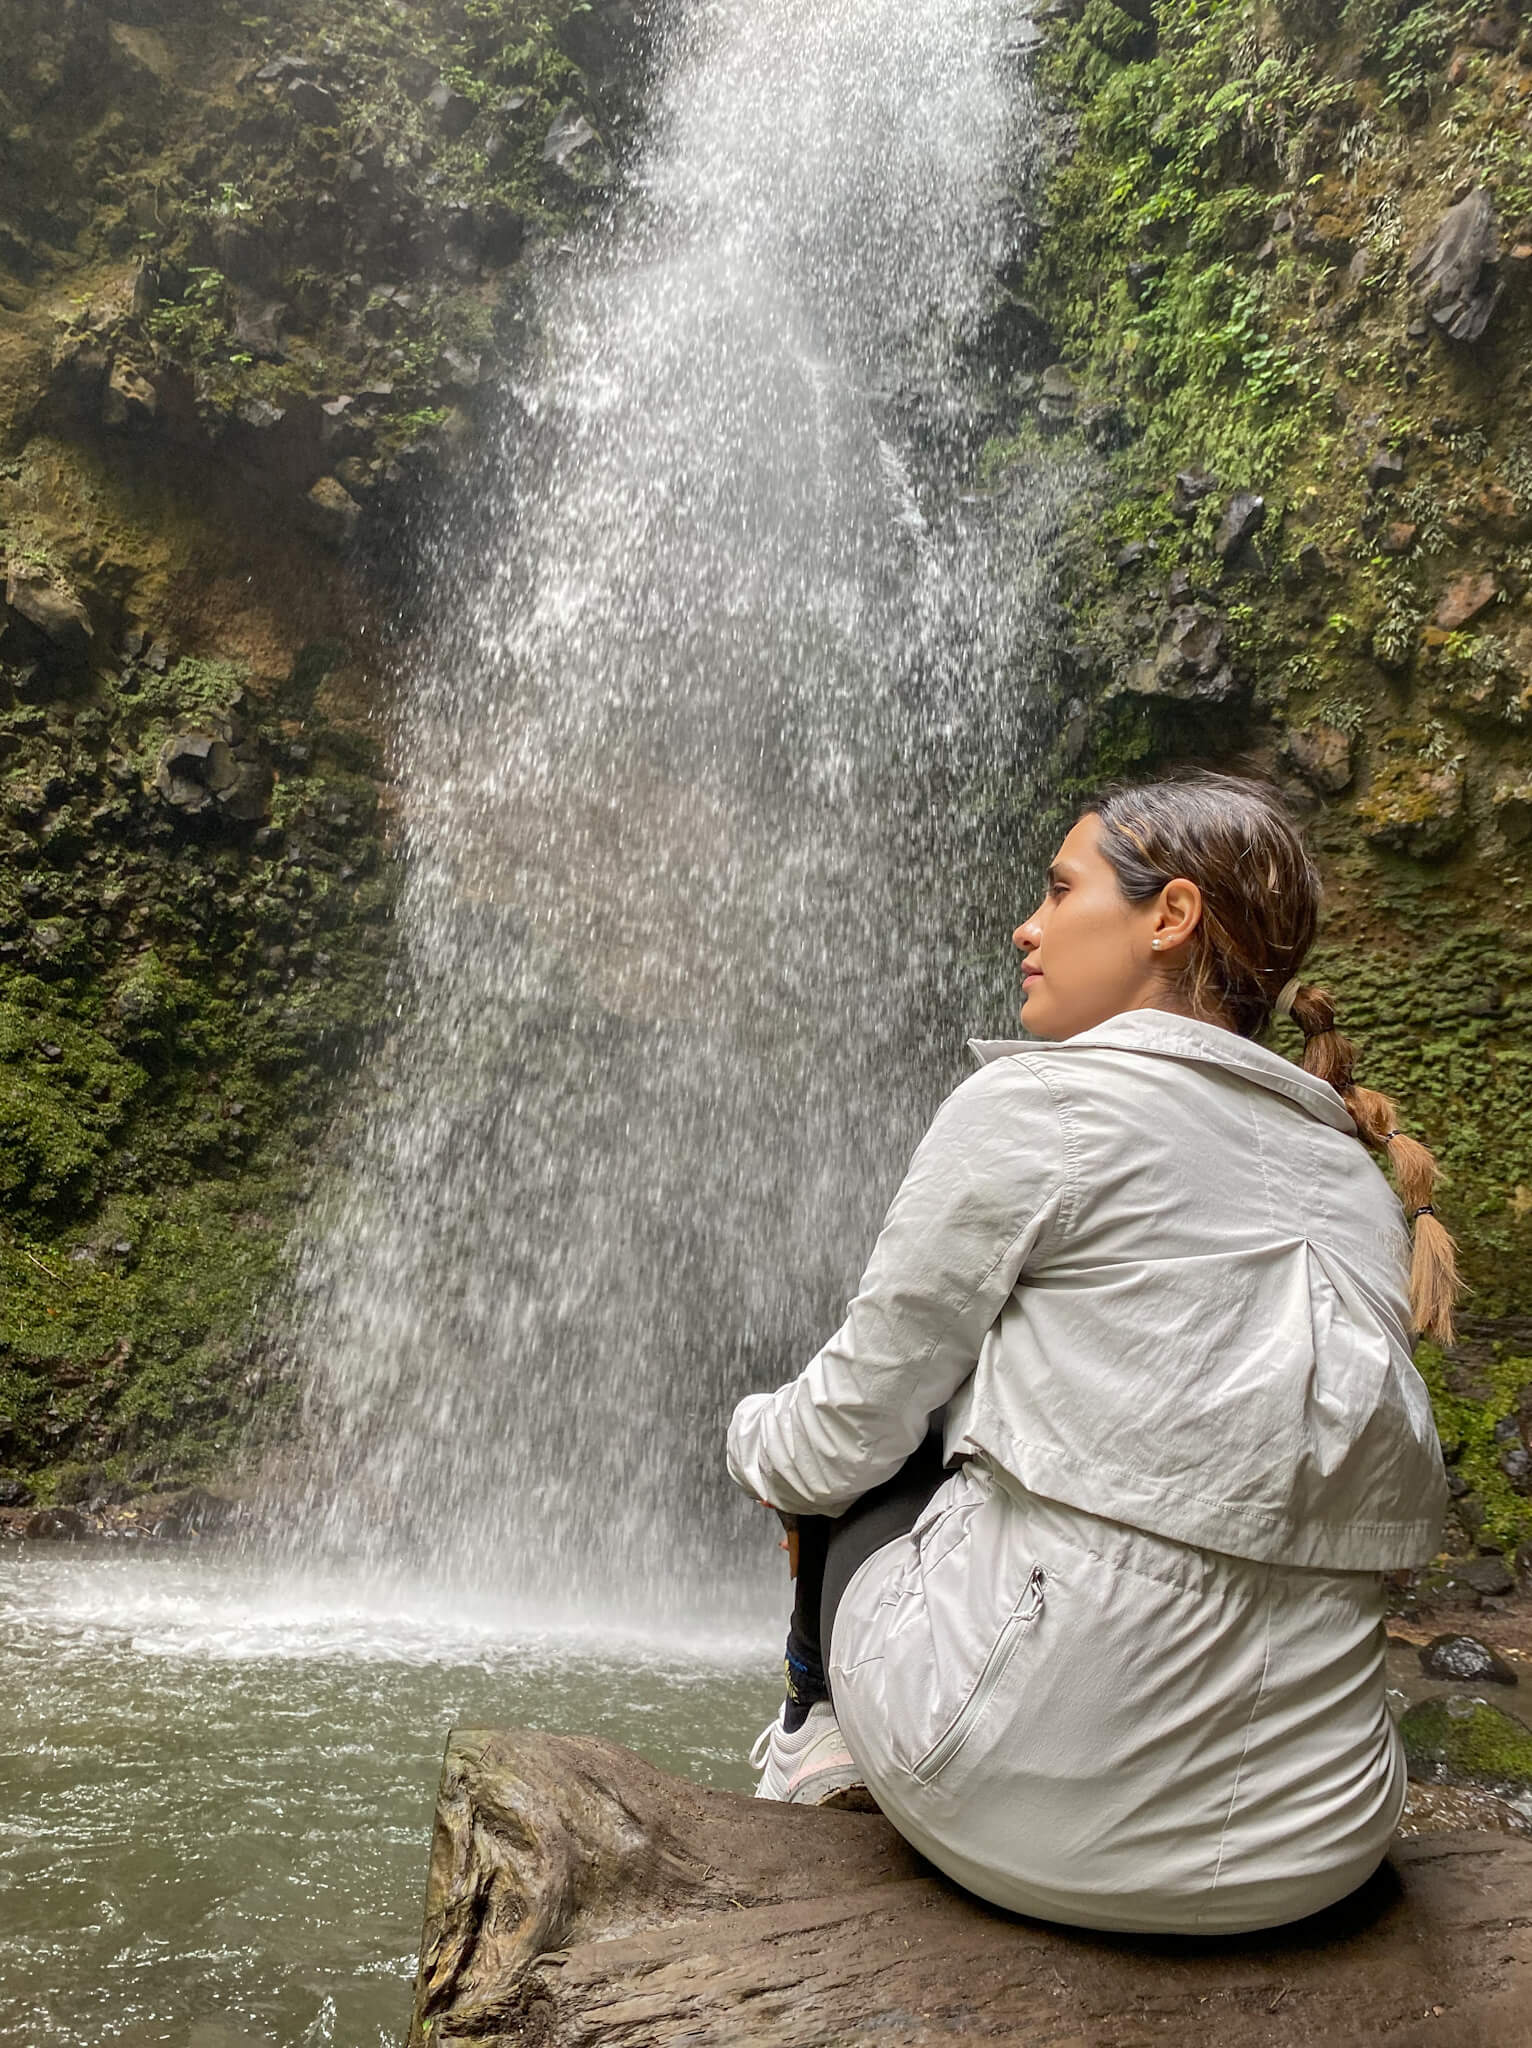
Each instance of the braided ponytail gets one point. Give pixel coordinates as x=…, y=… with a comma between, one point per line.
x=1434, y=1282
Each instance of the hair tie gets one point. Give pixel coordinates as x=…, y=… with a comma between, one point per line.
x=1283, y=1006
x=1425, y=1209
x=1389, y=1136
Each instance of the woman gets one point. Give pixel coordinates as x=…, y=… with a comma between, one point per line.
x=1123, y=1666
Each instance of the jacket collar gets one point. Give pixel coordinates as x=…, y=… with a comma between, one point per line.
x=1188, y=1038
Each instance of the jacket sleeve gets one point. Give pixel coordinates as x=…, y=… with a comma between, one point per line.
x=986, y=1185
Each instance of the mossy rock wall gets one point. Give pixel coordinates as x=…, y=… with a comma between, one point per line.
x=259, y=273
x=1281, y=293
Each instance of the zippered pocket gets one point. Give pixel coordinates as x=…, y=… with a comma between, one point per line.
x=947, y=1745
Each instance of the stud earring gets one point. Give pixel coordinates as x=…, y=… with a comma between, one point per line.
x=1156, y=944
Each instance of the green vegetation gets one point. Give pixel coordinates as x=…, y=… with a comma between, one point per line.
x=1467, y=1424
x=1463, y=1741
x=176, y=997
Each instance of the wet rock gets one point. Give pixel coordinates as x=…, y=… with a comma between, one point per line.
x=56, y=1525
x=1465, y=1659
x=1398, y=537
x=259, y=413
x=1191, y=661
x=1487, y=1577
x=1415, y=807
x=129, y=400
x=52, y=607
x=1492, y=32
x=79, y=367
x=1132, y=555
x=192, y=768
x=451, y=110
x=1056, y=396
x=1455, y=268
x=1105, y=425
x=1191, y=487
x=1502, y=513
x=1455, y=1809
x=568, y=134
x=461, y=371
x=204, y=771
x=576, y=1894
x=281, y=69
x=311, y=103
x=1322, y=755
x=1464, y=598
x=146, y=290
x=1244, y=515
x=1512, y=803
x=243, y=254
x=1516, y=1464
x=258, y=325
x=1329, y=236
x=15, y=1493
x=1385, y=468
x=248, y=798
x=331, y=512
x=1464, y=1741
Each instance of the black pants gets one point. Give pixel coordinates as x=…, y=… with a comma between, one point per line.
x=833, y=1548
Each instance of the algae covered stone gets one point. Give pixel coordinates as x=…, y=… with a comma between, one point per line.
x=1462, y=1740
x=1415, y=806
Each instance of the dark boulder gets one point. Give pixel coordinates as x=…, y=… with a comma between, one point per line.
x=451, y=110
x=203, y=771
x=311, y=103
x=1466, y=1660
x=56, y=1525
x=1456, y=268
x=569, y=134
x=1191, y=661
x=1385, y=468
x=1191, y=487
x=52, y=607
x=1322, y=754
x=1244, y=515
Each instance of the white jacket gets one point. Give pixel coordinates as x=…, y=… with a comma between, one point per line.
x=1164, y=1289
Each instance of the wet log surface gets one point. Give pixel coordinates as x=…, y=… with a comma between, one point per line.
x=578, y=1895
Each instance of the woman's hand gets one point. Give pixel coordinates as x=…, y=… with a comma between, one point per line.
x=789, y=1541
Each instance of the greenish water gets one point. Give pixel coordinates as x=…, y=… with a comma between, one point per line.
x=216, y=1790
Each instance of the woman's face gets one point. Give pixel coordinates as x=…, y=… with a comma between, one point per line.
x=1088, y=953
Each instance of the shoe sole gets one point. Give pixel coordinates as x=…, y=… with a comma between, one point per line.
x=850, y=1799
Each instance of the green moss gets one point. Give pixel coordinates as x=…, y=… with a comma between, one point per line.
x=176, y=1002
x=1466, y=1424
x=1467, y=1742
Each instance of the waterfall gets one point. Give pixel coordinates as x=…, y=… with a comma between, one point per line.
x=716, y=798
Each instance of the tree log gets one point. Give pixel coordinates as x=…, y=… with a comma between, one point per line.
x=579, y=1896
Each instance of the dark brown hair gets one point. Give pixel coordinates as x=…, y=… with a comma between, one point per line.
x=1260, y=911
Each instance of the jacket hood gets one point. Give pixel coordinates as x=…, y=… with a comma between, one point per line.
x=1165, y=1035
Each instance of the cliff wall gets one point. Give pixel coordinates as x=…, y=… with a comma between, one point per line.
x=258, y=272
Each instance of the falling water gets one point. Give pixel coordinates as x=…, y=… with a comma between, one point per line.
x=717, y=817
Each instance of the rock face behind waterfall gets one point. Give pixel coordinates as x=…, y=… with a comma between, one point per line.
x=576, y=1894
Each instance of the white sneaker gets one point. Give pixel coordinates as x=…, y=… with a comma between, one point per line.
x=810, y=1767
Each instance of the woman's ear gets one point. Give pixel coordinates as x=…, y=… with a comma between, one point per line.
x=1180, y=912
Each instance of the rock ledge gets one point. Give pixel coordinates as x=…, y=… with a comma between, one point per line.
x=578, y=1895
